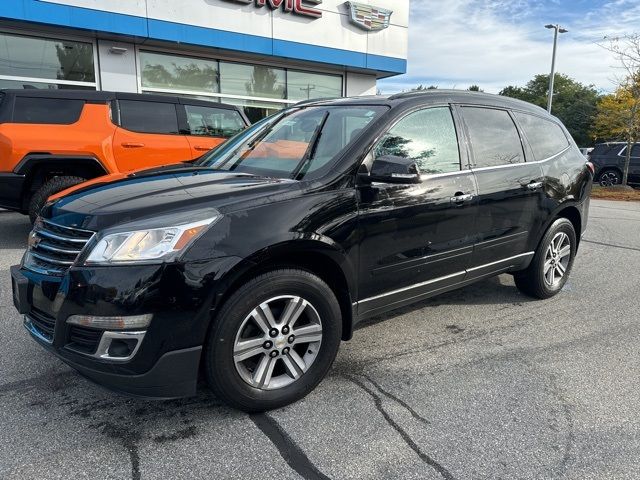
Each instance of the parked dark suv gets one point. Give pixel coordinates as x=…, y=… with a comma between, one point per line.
x=608, y=160
x=254, y=262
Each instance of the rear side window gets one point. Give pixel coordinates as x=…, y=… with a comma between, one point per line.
x=213, y=122
x=494, y=137
x=607, y=149
x=428, y=137
x=57, y=111
x=148, y=117
x=635, y=151
x=546, y=138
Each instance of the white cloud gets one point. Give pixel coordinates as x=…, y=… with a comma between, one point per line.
x=494, y=43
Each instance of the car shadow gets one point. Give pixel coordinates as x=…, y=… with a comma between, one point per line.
x=498, y=290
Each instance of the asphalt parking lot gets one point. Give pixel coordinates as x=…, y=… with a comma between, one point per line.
x=478, y=383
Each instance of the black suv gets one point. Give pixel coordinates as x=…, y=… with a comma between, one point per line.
x=608, y=160
x=252, y=263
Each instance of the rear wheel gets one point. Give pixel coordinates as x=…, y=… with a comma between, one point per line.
x=552, y=263
x=610, y=178
x=273, y=341
x=50, y=187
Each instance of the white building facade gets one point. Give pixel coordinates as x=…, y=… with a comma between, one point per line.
x=260, y=54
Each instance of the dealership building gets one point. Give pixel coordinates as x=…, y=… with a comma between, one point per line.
x=260, y=54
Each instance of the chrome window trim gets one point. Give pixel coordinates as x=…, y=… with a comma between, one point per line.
x=495, y=167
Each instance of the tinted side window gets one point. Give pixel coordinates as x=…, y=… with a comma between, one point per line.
x=213, y=122
x=148, y=117
x=47, y=110
x=635, y=151
x=427, y=136
x=494, y=137
x=546, y=137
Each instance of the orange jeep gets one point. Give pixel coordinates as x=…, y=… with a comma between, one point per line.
x=53, y=139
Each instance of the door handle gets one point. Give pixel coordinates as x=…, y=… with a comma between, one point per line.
x=534, y=185
x=202, y=148
x=461, y=198
x=132, y=145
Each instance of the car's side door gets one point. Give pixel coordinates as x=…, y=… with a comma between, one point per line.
x=208, y=127
x=510, y=190
x=148, y=135
x=416, y=239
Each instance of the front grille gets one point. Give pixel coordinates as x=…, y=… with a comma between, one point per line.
x=54, y=248
x=43, y=323
x=84, y=340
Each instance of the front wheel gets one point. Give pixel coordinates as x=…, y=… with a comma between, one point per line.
x=50, y=187
x=552, y=263
x=273, y=341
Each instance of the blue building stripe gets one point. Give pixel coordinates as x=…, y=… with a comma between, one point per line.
x=129, y=25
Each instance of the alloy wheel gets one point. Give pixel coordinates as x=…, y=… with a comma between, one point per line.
x=277, y=342
x=557, y=259
x=609, y=179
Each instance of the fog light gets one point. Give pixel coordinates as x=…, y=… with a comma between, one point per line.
x=111, y=323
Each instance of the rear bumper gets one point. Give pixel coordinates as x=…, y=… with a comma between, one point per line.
x=11, y=185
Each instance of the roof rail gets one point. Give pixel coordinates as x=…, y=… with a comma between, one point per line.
x=314, y=100
x=431, y=91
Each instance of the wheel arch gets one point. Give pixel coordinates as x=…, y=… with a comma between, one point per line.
x=609, y=168
x=316, y=257
x=38, y=167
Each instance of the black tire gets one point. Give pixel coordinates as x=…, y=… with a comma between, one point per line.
x=50, y=187
x=532, y=280
x=610, y=177
x=220, y=369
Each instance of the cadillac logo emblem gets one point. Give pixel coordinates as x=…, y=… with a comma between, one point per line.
x=300, y=7
x=368, y=17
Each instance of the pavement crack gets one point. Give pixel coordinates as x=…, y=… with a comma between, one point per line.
x=612, y=245
x=444, y=473
x=288, y=448
x=391, y=396
x=129, y=440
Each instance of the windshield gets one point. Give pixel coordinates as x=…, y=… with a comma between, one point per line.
x=293, y=143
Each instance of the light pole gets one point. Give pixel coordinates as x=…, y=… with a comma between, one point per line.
x=557, y=29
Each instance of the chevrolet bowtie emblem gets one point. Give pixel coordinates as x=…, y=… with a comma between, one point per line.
x=369, y=17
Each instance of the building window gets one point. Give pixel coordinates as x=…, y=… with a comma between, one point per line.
x=172, y=72
x=32, y=62
x=252, y=80
x=307, y=86
x=260, y=90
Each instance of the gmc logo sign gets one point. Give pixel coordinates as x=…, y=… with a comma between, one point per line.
x=299, y=7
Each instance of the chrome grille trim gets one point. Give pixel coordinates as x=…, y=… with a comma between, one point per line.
x=54, y=248
x=44, y=258
x=61, y=238
x=59, y=250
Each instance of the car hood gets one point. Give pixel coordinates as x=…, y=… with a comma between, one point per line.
x=117, y=198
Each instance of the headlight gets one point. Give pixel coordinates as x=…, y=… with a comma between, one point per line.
x=147, y=245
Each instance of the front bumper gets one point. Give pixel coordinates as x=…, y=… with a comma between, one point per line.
x=179, y=296
x=11, y=185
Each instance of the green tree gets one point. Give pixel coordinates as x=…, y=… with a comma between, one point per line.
x=474, y=88
x=619, y=114
x=573, y=102
x=421, y=88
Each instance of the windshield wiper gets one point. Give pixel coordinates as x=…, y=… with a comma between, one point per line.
x=310, y=153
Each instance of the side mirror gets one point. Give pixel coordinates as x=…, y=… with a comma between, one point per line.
x=392, y=169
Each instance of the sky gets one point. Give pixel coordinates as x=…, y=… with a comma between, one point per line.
x=495, y=43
